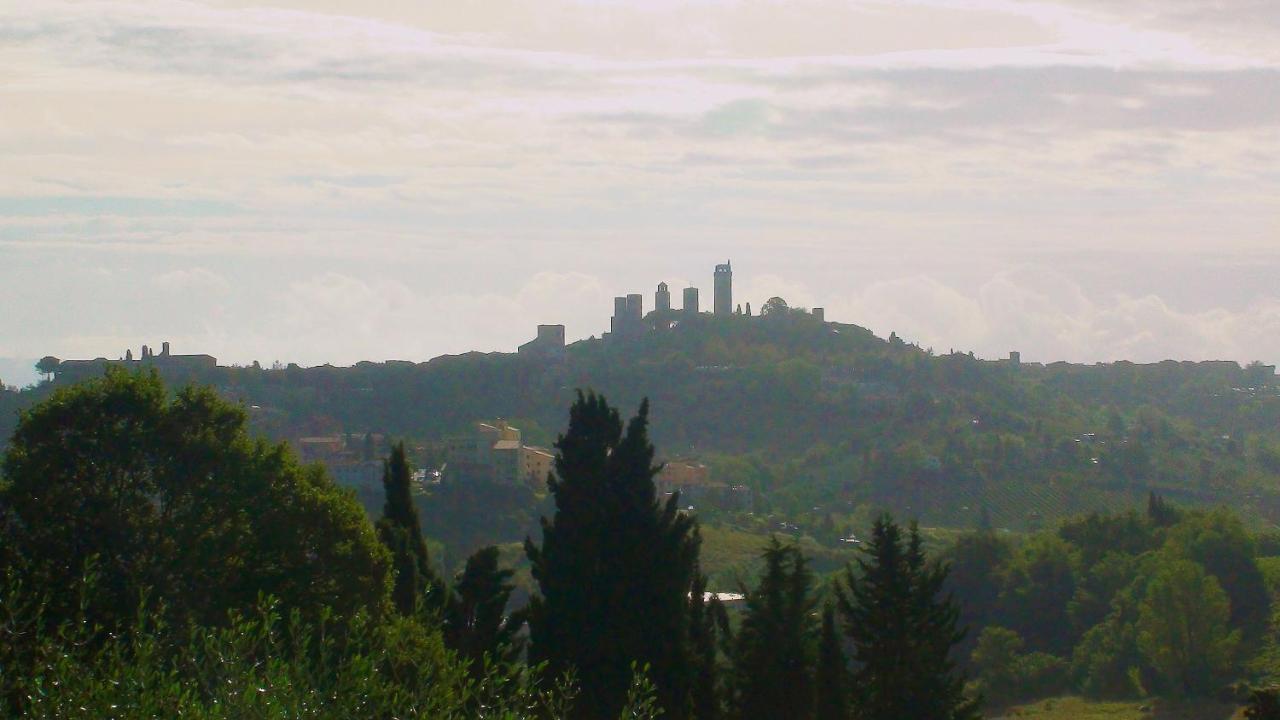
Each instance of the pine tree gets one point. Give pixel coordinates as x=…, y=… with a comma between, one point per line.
x=902, y=630
x=831, y=698
x=706, y=618
x=614, y=568
x=773, y=650
x=476, y=623
x=400, y=530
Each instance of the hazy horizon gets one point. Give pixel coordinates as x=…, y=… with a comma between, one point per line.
x=328, y=181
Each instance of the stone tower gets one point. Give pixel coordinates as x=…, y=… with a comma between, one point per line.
x=723, y=302
x=691, y=301
x=662, y=298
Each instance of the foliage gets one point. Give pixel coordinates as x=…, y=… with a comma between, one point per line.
x=1006, y=675
x=902, y=630
x=708, y=623
x=831, y=684
x=261, y=664
x=614, y=568
x=476, y=625
x=172, y=496
x=414, y=585
x=1182, y=628
x=773, y=651
x=1264, y=704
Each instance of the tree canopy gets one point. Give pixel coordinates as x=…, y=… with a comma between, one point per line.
x=171, y=496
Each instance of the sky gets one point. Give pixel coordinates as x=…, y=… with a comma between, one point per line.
x=328, y=181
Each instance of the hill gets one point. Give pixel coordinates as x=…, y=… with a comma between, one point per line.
x=824, y=419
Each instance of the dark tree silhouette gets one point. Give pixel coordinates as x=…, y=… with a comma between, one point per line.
x=476, y=623
x=831, y=688
x=413, y=583
x=614, y=568
x=903, y=630
x=773, y=649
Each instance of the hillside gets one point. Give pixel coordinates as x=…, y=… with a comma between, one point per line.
x=828, y=417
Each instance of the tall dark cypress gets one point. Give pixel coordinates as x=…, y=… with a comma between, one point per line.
x=706, y=618
x=773, y=650
x=400, y=530
x=476, y=623
x=903, y=628
x=831, y=691
x=614, y=568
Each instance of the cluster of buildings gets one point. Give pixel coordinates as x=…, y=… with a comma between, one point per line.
x=628, y=310
x=630, y=322
x=495, y=452
x=164, y=361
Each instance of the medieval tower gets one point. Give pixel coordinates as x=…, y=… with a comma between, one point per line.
x=723, y=304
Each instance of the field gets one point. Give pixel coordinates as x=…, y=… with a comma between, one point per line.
x=1073, y=708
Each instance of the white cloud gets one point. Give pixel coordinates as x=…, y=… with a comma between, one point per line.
x=516, y=163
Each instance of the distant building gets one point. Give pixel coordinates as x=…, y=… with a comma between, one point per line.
x=548, y=344
x=1015, y=359
x=165, y=362
x=628, y=316
x=662, y=298
x=693, y=481
x=538, y=463
x=690, y=301
x=723, y=296
x=820, y=313
x=491, y=451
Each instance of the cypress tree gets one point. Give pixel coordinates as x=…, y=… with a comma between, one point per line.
x=614, y=568
x=476, y=623
x=706, y=618
x=831, y=700
x=773, y=650
x=400, y=530
x=902, y=630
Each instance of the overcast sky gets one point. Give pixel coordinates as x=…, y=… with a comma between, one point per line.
x=336, y=180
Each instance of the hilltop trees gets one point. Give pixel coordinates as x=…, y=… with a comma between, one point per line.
x=172, y=497
x=614, y=568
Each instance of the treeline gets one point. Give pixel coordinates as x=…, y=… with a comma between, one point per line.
x=810, y=413
x=1126, y=605
x=158, y=561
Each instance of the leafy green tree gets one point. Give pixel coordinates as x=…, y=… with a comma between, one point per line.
x=476, y=621
x=1106, y=662
x=1218, y=541
x=775, y=306
x=1183, y=628
x=47, y=365
x=977, y=562
x=1005, y=674
x=1040, y=582
x=173, y=497
x=614, y=568
x=774, y=647
x=903, y=631
x=831, y=687
x=995, y=661
x=414, y=583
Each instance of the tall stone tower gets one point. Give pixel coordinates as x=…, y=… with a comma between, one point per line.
x=662, y=298
x=690, y=301
x=723, y=290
